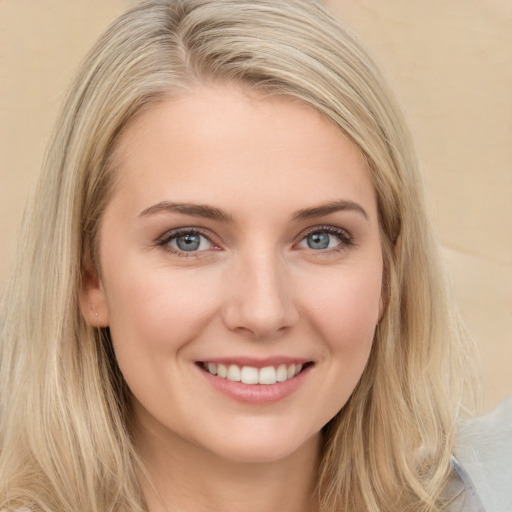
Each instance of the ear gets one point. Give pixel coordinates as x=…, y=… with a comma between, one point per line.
x=93, y=299
x=382, y=306
x=383, y=300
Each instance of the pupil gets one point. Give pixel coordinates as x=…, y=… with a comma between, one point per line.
x=188, y=242
x=318, y=241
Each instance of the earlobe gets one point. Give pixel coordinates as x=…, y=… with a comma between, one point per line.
x=93, y=300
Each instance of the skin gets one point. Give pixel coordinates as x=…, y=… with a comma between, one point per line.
x=255, y=288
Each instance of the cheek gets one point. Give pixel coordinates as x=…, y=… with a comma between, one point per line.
x=343, y=310
x=349, y=319
x=344, y=306
x=160, y=311
x=154, y=318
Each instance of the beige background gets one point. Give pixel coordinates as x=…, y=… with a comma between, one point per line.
x=450, y=62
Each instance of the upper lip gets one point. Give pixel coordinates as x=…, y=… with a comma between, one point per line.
x=256, y=362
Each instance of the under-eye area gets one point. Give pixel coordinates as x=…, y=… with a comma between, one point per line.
x=252, y=375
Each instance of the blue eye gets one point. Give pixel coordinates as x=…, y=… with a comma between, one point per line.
x=187, y=241
x=319, y=241
x=325, y=238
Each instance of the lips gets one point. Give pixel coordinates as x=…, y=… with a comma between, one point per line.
x=257, y=382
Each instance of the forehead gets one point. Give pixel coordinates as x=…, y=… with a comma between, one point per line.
x=223, y=143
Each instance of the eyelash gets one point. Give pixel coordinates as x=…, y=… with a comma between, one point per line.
x=176, y=233
x=345, y=238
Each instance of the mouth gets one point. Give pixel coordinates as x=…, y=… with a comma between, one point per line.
x=252, y=375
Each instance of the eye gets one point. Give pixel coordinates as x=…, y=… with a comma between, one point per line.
x=324, y=238
x=186, y=241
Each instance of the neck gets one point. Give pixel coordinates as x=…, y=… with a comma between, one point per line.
x=185, y=477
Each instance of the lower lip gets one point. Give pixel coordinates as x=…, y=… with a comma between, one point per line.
x=261, y=394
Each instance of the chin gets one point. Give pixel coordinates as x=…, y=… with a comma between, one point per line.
x=265, y=447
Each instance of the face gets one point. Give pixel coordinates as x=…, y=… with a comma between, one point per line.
x=241, y=271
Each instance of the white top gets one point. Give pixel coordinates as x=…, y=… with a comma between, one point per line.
x=482, y=464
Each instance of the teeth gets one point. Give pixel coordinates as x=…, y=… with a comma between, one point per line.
x=267, y=375
x=222, y=371
x=234, y=373
x=250, y=375
x=282, y=373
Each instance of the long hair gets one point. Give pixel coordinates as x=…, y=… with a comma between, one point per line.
x=65, y=442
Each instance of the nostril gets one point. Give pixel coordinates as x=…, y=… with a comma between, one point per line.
x=260, y=304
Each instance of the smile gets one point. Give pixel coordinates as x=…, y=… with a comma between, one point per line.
x=257, y=382
x=251, y=375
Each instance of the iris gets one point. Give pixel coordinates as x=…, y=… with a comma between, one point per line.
x=188, y=242
x=318, y=240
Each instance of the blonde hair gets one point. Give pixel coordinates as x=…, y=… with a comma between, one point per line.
x=65, y=409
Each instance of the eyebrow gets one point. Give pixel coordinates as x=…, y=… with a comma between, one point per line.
x=328, y=208
x=213, y=213
x=196, y=210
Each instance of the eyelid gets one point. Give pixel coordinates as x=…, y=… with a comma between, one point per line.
x=346, y=238
x=163, y=241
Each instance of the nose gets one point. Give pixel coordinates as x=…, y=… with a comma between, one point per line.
x=260, y=297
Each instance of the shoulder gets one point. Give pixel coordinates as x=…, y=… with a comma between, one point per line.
x=459, y=494
x=484, y=450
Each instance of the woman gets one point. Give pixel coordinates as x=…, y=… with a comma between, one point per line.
x=228, y=293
